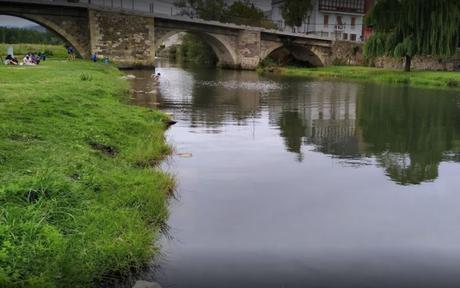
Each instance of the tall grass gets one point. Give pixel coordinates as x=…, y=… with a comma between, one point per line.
x=52, y=51
x=75, y=205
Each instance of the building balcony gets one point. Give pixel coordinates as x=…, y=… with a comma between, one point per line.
x=342, y=6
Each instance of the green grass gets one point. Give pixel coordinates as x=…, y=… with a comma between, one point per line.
x=79, y=198
x=52, y=51
x=416, y=78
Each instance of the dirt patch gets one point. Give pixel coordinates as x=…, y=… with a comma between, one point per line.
x=106, y=149
x=23, y=137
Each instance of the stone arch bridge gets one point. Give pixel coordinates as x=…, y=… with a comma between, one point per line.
x=130, y=38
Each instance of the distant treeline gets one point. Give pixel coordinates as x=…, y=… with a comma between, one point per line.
x=28, y=35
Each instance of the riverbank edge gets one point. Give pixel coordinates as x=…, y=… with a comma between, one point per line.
x=427, y=79
x=78, y=164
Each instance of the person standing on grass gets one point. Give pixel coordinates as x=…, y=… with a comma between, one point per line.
x=71, y=53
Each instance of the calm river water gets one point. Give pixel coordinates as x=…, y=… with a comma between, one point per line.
x=293, y=182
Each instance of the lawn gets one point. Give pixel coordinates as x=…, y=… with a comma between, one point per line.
x=416, y=78
x=80, y=197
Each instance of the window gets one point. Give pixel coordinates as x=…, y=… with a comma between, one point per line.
x=339, y=20
x=326, y=21
x=345, y=36
x=353, y=37
x=353, y=22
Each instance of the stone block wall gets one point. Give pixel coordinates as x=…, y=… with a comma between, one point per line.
x=420, y=63
x=249, y=49
x=127, y=40
x=347, y=53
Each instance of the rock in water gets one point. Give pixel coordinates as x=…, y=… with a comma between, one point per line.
x=146, y=284
x=128, y=77
x=185, y=155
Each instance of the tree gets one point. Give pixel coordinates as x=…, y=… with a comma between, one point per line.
x=12, y=35
x=239, y=12
x=204, y=9
x=295, y=12
x=405, y=28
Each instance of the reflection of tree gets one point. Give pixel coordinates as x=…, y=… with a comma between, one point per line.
x=292, y=130
x=219, y=96
x=323, y=114
x=409, y=130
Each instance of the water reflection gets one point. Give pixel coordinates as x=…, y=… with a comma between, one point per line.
x=295, y=181
x=322, y=114
x=409, y=131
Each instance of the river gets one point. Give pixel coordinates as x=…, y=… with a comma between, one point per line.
x=293, y=182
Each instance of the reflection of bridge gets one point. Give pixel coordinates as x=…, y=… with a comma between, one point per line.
x=130, y=37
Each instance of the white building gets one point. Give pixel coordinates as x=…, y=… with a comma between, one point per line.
x=334, y=19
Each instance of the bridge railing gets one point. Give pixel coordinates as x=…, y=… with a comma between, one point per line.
x=145, y=6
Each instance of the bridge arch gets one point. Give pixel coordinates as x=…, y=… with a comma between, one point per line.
x=221, y=46
x=59, y=28
x=310, y=55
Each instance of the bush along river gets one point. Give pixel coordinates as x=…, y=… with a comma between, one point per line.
x=291, y=182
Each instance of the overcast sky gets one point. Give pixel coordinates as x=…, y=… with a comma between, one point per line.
x=14, y=21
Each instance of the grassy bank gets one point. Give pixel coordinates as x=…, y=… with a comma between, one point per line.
x=79, y=197
x=53, y=51
x=416, y=78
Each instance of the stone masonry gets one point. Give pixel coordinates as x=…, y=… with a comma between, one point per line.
x=249, y=49
x=126, y=39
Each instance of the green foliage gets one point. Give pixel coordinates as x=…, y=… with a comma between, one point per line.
x=375, y=46
x=204, y=9
x=267, y=65
x=385, y=15
x=245, y=13
x=400, y=50
x=195, y=50
x=295, y=12
x=70, y=212
x=391, y=42
x=86, y=77
x=429, y=27
x=408, y=130
x=24, y=35
x=241, y=12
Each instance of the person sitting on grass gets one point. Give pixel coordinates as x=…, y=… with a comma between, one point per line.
x=28, y=61
x=10, y=60
x=35, y=60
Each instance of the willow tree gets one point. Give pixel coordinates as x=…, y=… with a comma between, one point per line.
x=405, y=28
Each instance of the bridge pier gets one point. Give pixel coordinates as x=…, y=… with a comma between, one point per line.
x=248, y=47
x=128, y=40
